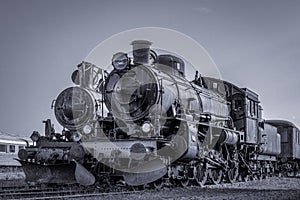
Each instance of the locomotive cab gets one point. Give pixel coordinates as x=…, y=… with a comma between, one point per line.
x=244, y=107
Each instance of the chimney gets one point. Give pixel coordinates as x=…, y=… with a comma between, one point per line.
x=141, y=51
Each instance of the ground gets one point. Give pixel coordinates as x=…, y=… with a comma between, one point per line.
x=272, y=188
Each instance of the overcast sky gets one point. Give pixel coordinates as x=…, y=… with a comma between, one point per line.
x=255, y=44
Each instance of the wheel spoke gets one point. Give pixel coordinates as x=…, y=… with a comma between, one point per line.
x=216, y=176
x=201, y=174
x=232, y=174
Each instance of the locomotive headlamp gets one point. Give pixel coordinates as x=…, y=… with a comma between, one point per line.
x=35, y=136
x=87, y=129
x=120, y=61
x=146, y=127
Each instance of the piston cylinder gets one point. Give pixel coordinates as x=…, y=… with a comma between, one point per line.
x=228, y=137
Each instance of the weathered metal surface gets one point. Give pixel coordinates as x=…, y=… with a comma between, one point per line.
x=56, y=173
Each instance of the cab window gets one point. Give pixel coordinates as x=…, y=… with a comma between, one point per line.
x=284, y=134
x=2, y=148
x=298, y=136
x=12, y=148
x=253, y=108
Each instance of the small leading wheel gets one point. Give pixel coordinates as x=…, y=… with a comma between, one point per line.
x=260, y=176
x=157, y=184
x=246, y=178
x=184, y=182
x=254, y=177
x=232, y=174
x=201, y=174
x=173, y=181
x=244, y=175
x=136, y=188
x=216, y=176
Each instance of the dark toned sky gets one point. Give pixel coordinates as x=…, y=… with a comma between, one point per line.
x=255, y=44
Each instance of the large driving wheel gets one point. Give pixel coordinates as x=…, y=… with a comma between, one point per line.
x=216, y=176
x=200, y=174
x=232, y=173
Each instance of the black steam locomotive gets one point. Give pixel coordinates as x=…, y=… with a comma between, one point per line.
x=144, y=122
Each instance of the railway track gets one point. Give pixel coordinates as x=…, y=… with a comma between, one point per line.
x=22, y=191
x=60, y=192
x=59, y=196
x=34, y=193
x=273, y=188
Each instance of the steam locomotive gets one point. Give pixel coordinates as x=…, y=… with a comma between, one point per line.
x=144, y=122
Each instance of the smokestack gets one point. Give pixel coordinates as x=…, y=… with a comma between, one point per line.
x=141, y=51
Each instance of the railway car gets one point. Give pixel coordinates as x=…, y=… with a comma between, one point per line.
x=289, y=158
x=9, y=148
